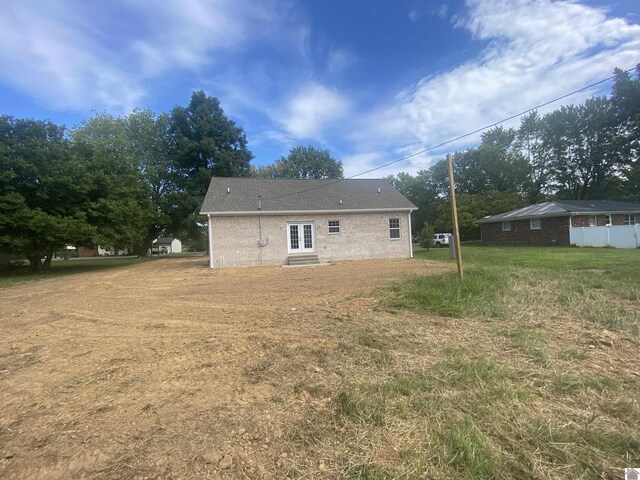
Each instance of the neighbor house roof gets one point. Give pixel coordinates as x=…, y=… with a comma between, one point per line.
x=559, y=208
x=235, y=196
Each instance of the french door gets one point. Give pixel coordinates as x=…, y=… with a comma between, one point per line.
x=301, y=237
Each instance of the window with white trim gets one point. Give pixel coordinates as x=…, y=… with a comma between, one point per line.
x=630, y=219
x=535, y=224
x=506, y=226
x=334, y=226
x=607, y=220
x=593, y=221
x=394, y=228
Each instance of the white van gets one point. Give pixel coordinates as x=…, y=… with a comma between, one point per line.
x=441, y=240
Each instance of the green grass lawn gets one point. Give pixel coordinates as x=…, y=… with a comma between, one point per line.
x=536, y=370
x=59, y=268
x=601, y=284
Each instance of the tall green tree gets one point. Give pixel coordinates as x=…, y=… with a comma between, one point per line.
x=133, y=165
x=530, y=140
x=208, y=144
x=44, y=191
x=495, y=165
x=586, y=148
x=423, y=193
x=472, y=207
x=625, y=98
x=303, y=162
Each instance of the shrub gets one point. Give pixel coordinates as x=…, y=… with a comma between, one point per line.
x=425, y=236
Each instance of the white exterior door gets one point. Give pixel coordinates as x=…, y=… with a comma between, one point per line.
x=301, y=237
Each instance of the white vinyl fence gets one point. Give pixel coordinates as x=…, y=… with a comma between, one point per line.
x=618, y=236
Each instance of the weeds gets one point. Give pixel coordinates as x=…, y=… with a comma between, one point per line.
x=530, y=342
x=570, y=384
x=573, y=354
x=445, y=295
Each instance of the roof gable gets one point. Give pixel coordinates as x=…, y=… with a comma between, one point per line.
x=227, y=195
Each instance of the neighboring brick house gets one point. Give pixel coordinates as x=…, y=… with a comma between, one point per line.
x=254, y=221
x=595, y=223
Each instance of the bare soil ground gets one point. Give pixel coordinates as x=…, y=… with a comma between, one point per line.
x=170, y=370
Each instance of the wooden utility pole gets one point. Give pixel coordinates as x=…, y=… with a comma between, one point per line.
x=454, y=211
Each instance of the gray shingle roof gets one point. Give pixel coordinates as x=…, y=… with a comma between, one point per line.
x=233, y=194
x=560, y=208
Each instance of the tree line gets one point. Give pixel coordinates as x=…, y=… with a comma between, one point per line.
x=123, y=181
x=586, y=151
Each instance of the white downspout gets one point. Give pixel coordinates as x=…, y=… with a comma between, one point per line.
x=209, y=228
x=410, y=241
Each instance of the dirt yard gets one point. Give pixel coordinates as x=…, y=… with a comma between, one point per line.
x=170, y=370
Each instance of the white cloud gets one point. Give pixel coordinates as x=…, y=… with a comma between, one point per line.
x=443, y=11
x=439, y=10
x=371, y=162
x=184, y=35
x=339, y=59
x=359, y=162
x=102, y=55
x=312, y=109
x=537, y=50
x=60, y=63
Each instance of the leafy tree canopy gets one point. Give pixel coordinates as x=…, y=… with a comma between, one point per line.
x=303, y=162
x=207, y=144
x=45, y=191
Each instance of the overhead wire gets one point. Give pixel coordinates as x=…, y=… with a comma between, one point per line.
x=460, y=137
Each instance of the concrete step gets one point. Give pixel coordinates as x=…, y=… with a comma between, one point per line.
x=303, y=260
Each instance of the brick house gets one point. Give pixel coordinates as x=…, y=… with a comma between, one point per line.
x=254, y=221
x=596, y=223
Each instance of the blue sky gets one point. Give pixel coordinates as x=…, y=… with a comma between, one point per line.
x=371, y=81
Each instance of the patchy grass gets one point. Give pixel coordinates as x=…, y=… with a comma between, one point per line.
x=530, y=342
x=573, y=354
x=599, y=285
x=519, y=374
x=516, y=383
x=570, y=384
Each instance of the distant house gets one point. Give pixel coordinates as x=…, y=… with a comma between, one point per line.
x=92, y=250
x=87, y=250
x=585, y=223
x=166, y=245
x=280, y=221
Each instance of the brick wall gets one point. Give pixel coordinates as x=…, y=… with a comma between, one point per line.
x=551, y=229
x=362, y=235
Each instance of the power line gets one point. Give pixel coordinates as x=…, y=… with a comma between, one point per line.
x=415, y=154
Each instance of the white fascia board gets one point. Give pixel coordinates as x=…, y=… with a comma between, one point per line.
x=305, y=212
